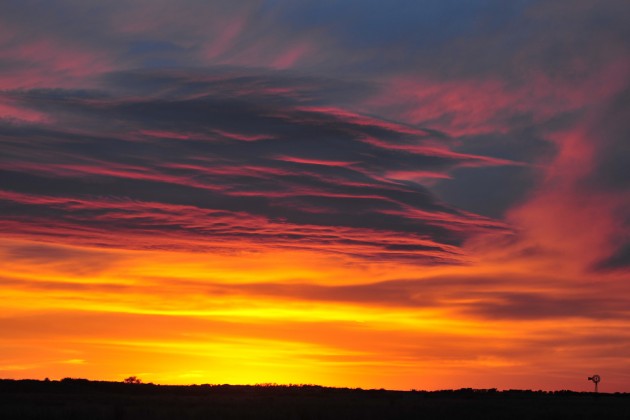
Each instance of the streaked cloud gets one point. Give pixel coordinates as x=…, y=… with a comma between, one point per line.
x=191, y=164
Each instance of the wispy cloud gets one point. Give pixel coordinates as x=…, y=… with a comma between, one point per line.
x=314, y=169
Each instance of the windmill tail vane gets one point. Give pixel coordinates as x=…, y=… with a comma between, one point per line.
x=595, y=379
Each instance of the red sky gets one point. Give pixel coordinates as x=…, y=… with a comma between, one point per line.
x=418, y=195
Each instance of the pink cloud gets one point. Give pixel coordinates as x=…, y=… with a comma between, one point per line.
x=166, y=134
x=110, y=169
x=229, y=170
x=363, y=120
x=460, y=222
x=10, y=110
x=225, y=37
x=242, y=137
x=416, y=175
x=428, y=149
x=290, y=57
x=314, y=161
x=141, y=224
x=47, y=61
x=486, y=105
x=576, y=225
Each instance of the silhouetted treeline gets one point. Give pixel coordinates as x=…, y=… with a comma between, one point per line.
x=80, y=398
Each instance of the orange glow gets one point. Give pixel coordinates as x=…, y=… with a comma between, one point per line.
x=182, y=317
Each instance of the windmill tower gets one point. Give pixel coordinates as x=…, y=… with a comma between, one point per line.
x=595, y=379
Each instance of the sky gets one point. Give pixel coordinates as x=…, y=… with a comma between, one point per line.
x=404, y=194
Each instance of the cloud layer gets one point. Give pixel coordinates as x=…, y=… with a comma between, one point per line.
x=231, y=158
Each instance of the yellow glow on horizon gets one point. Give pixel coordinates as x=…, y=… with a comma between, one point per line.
x=267, y=317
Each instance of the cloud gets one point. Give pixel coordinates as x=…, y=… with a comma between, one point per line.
x=619, y=260
x=471, y=297
x=219, y=150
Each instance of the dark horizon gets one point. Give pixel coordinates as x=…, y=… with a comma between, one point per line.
x=79, y=381
x=79, y=398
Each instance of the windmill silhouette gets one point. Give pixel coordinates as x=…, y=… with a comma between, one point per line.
x=595, y=379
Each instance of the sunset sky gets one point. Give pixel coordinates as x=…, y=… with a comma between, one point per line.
x=420, y=194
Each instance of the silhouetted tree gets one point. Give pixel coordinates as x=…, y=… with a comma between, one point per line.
x=132, y=380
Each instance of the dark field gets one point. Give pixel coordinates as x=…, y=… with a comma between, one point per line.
x=82, y=399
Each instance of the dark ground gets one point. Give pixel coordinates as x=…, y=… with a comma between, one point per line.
x=82, y=399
